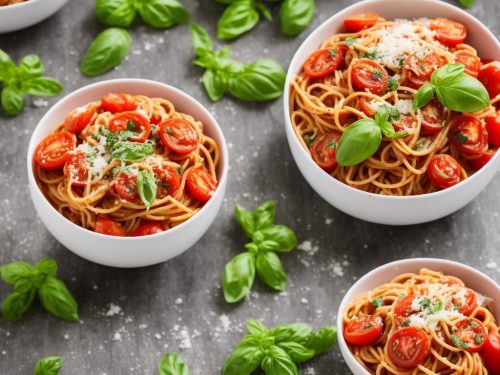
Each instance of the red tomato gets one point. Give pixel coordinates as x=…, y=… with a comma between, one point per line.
x=109, y=227
x=493, y=129
x=403, y=122
x=408, y=347
x=364, y=330
x=403, y=306
x=369, y=74
x=471, y=334
x=79, y=118
x=419, y=67
x=118, y=103
x=201, y=184
x=179, y=135
x=168, y=178
x=360, y=21
x=125, y=186
x=132, y=121
x=147, y=227
x=443, y=171
x=52, y=151
x=489, y=75
x=323, y=151
x=432, y=117
x=323, y=62
x=465, y=301
x=491, y=353
x=365, y=105
x=76, y=168
x=477, y=164
x=448, y=32
x=470, y=61
x=469, y=135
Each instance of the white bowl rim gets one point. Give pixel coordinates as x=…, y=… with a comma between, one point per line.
x=291, y=74
x=171, y=231
x=18, y=5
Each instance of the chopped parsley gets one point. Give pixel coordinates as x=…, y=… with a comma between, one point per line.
x=332, y=143
x=179, y=171
x=406, y=323
x=458, y=343
x=370, y=54
x=131, y=126
x=473, y=323
x=393, y=113
x=131, y=188
x=120, y=169
x=332, y=52
x=392, y=85
x=402, y=60
x=377, y=302
x=350, y=41
x=309, y=138
x=377, y=74
x=114, y=137
x=169, y=131
x=460, y=137
x=90, y=157
x=479, y=339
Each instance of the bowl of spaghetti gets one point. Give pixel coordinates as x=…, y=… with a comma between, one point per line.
x=127, y=172
x=421, y=316
x=354, y=123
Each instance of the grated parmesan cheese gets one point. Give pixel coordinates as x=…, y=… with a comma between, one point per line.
x=404, y=106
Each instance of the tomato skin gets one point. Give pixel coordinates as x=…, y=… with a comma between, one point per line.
x=76, y=168
x=408, y=347
x=169, y=179
x=477, y=164
x=471, y=332
x=118, y=103
x=365, y=106
x=200, y=183
x=443, y=171
x=448, y=32
x=79, y=118
x=403, y=306
x=403, y=122
x=323, y=62
x=53, y=151
x=470, y=61
x=323, y=151
x=360, y=21
x=120, y=122
x=470, y=301
x=179, y=136
x=418, y=68
x=125, y=186
x=432, y=117
x=469, y=135
x=369, y=74
x=491, y=353
x=364, y=330
x=489, y=75
x=109, y=227
x=147, y=227
x=493, y=129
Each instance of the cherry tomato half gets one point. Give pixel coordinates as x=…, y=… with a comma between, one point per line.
x=147, y=227
x=364, y=330
x=419, y=67
x=469, y=135
x=470, y=61
x=404, y=122
x=79, y=118
x=470, y=334
x=403, y=306
x=323, y=151
x=432, y=117
x=132, y=121
x=179, y=135
x=168, y=178
x=493, y=129
x=369, y=74
x=448, y=32
x=360, y=21
x=465, y=301
x=76, y=168
x=125, y=186
x=489, y=75
x=408, y=347
x=52, y=151
x=443, y=171
x=118, y=103
x=200, y=183
x=478, y=163
x=491, y=353
x=365, y=105
x=109, y=227
x=323, y=62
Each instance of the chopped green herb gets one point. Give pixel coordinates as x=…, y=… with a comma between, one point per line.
x=332, y=52
x=131, y=126
x=419, y=146
x=460, y=137
x=169, y=131
x=479, y=339
x=90, y=157
x=456, y=307
x=392, y=85
x=425, y=303
x=332, y=143
x=371, y=54
x=458, y=343
x=473, y=323
x=402, y=60
x=393, y=112
x=179, y=171
x=406, y=323
x=377, y=74
x=119, y=169
x=377, y=302
x=350, y=41
x=131, y=188
x=309, y=138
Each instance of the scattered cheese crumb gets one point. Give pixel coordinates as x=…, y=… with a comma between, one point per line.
x=113, y=310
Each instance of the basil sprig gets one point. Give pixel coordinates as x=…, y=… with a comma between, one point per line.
x=362, y=138
x=261, y=80
x=455, y=90
x=25, y=79
x=295, y=16
x=240, y=17
x=266, y=240
x=146, y=184
x=48, y=366
x=172, y=364
x=278, y=350
x=28, y=281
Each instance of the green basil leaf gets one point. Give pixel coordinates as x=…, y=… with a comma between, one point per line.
x=252, y=248
x=295, y=16
x=238, y=18
x=381, y=118
x=57, y=300
x=261, y=81
x=466, y=3
x=270, y=270
x=214, y=83
x=322, y=340
x=107, y=50
x=48, y=366
x=43, y=269
x=297, y=352
x=423, y=95
x=255, y=327
x=284, y=236
x=464, y=94
x=42, y=86
x=268, y=245
x=119, y=13
x=243, y=360
x=162, y=14
x=264, y=11
x=13, y=273
x=172, y=364
x=31, y=66
x=239, y=275
x=278, y=362
x=360, y=140
x=132, y=151
x=295, y=332
x=7, y=67
x=201, y=40
x=16, y=304
x=146, y=184
x=246, y=220
x=264, y=215
x=447, y=74
x=12, y=101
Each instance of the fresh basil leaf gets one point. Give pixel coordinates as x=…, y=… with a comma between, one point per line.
x=43, y=269
x=132, y=151
x=295, y=332
x=264, y=215
x=12, y=101
x=268, y=245
x=264, y=11
x=146, y=184
x=466, y=3
x=386, y=127
x=172, y=364
x=13, y=273
x=214, y=83
x=238, y=18
x=119, y=13
x=201, y=40
x=57, y=300
x=284, y=236
x=107, y=50
x=464, y=94
x=31, y=66
x=48, y=366
x=360, y=140
x=447, y=74
x=295, y=16
x=322, y=340
x=270, y=270
x=239, y=275
x=243, y=360
x=6, y=63
x=297, y=352
x=278, y=362
x=42, y=86
x=423, y=95
x=162, y=14
x=16, y=304
x=255, y=327
x=252, y=248
x=246, y=220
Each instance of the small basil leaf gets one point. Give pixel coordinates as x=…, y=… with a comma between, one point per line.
x=278, y=362
x=132, y=151
x=264, y=11
x=255, y=327
x=238, y=18
x=359, y=141
x=43, y=269
x=107, y=51
x=201, y=40
x=423, y=95
x=447, y=74
x=243, y=360
x=31, y=66
x=172, y=364
x=466, y=3
x=270, y=270
x=13, y=273
x=42, y=86
x=297, y=352
x=6, y=64
x=119, y=13
x=264, y=215
x=252, y=248
x=214, y=83
x=464, y=94
x=57, y=300
x=12, y=101
x=284, y=236
x=48, y=366
x=246, y=220
x=16, y=303
x=295, y=16
x=162, y=14
x=387, y=129
x=322, y=340
x=146, y=184
x=268, y=245
x=239, y=275
x=296, y=332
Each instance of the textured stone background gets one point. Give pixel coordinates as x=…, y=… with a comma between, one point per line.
x=177, y=306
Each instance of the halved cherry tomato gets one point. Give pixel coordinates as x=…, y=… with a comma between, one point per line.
x=419, y=67
x=448, y=32
x=147, y=227
x=469, y=135
x=404, y=122
x=403, y=305
x=364, y=330
x=118, y=103
x=491, y=353
x=471, y=334
x=465, y=301
x=489, y=75
x=109, y=227
x=477, y=164
x=168, y=178
x=79, y=118
x=179, y=135
x=200, y=183
x=365, y=105
x=323, y=151
x=323, y=62
x=493, y=129
x=360, y=21
x=408, y=347
x=52, y=151
x=132, y=121
x=125, y=186
x=76, y=168
x=432, y=117
x=470, y=61
x=369, y=74
x=443, y=171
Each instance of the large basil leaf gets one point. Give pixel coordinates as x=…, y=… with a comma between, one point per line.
x=42, y=86
x=270, y=270
x=322, y=340
x=119, y=13
x=278, y=362
x=245, y=219
x=295, y=16
x=464, y=94
x=13, y=273
x=16, y=304
x=172, y=364
x=239, y=275
x=31, y=66
x=57, y=299
x=146, y=184
x=296, y=332
x=48, y=366
x=238, y=18
x=162, y=14
x=244, y=360
x=360, y=140
x=297, y=352
x=214, y=83
x=12, y=101
x=281, y=234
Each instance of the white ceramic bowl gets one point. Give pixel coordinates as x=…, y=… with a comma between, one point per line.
x=26, y=14
x=128, y=251
x=373, y=207
x=474, y=279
